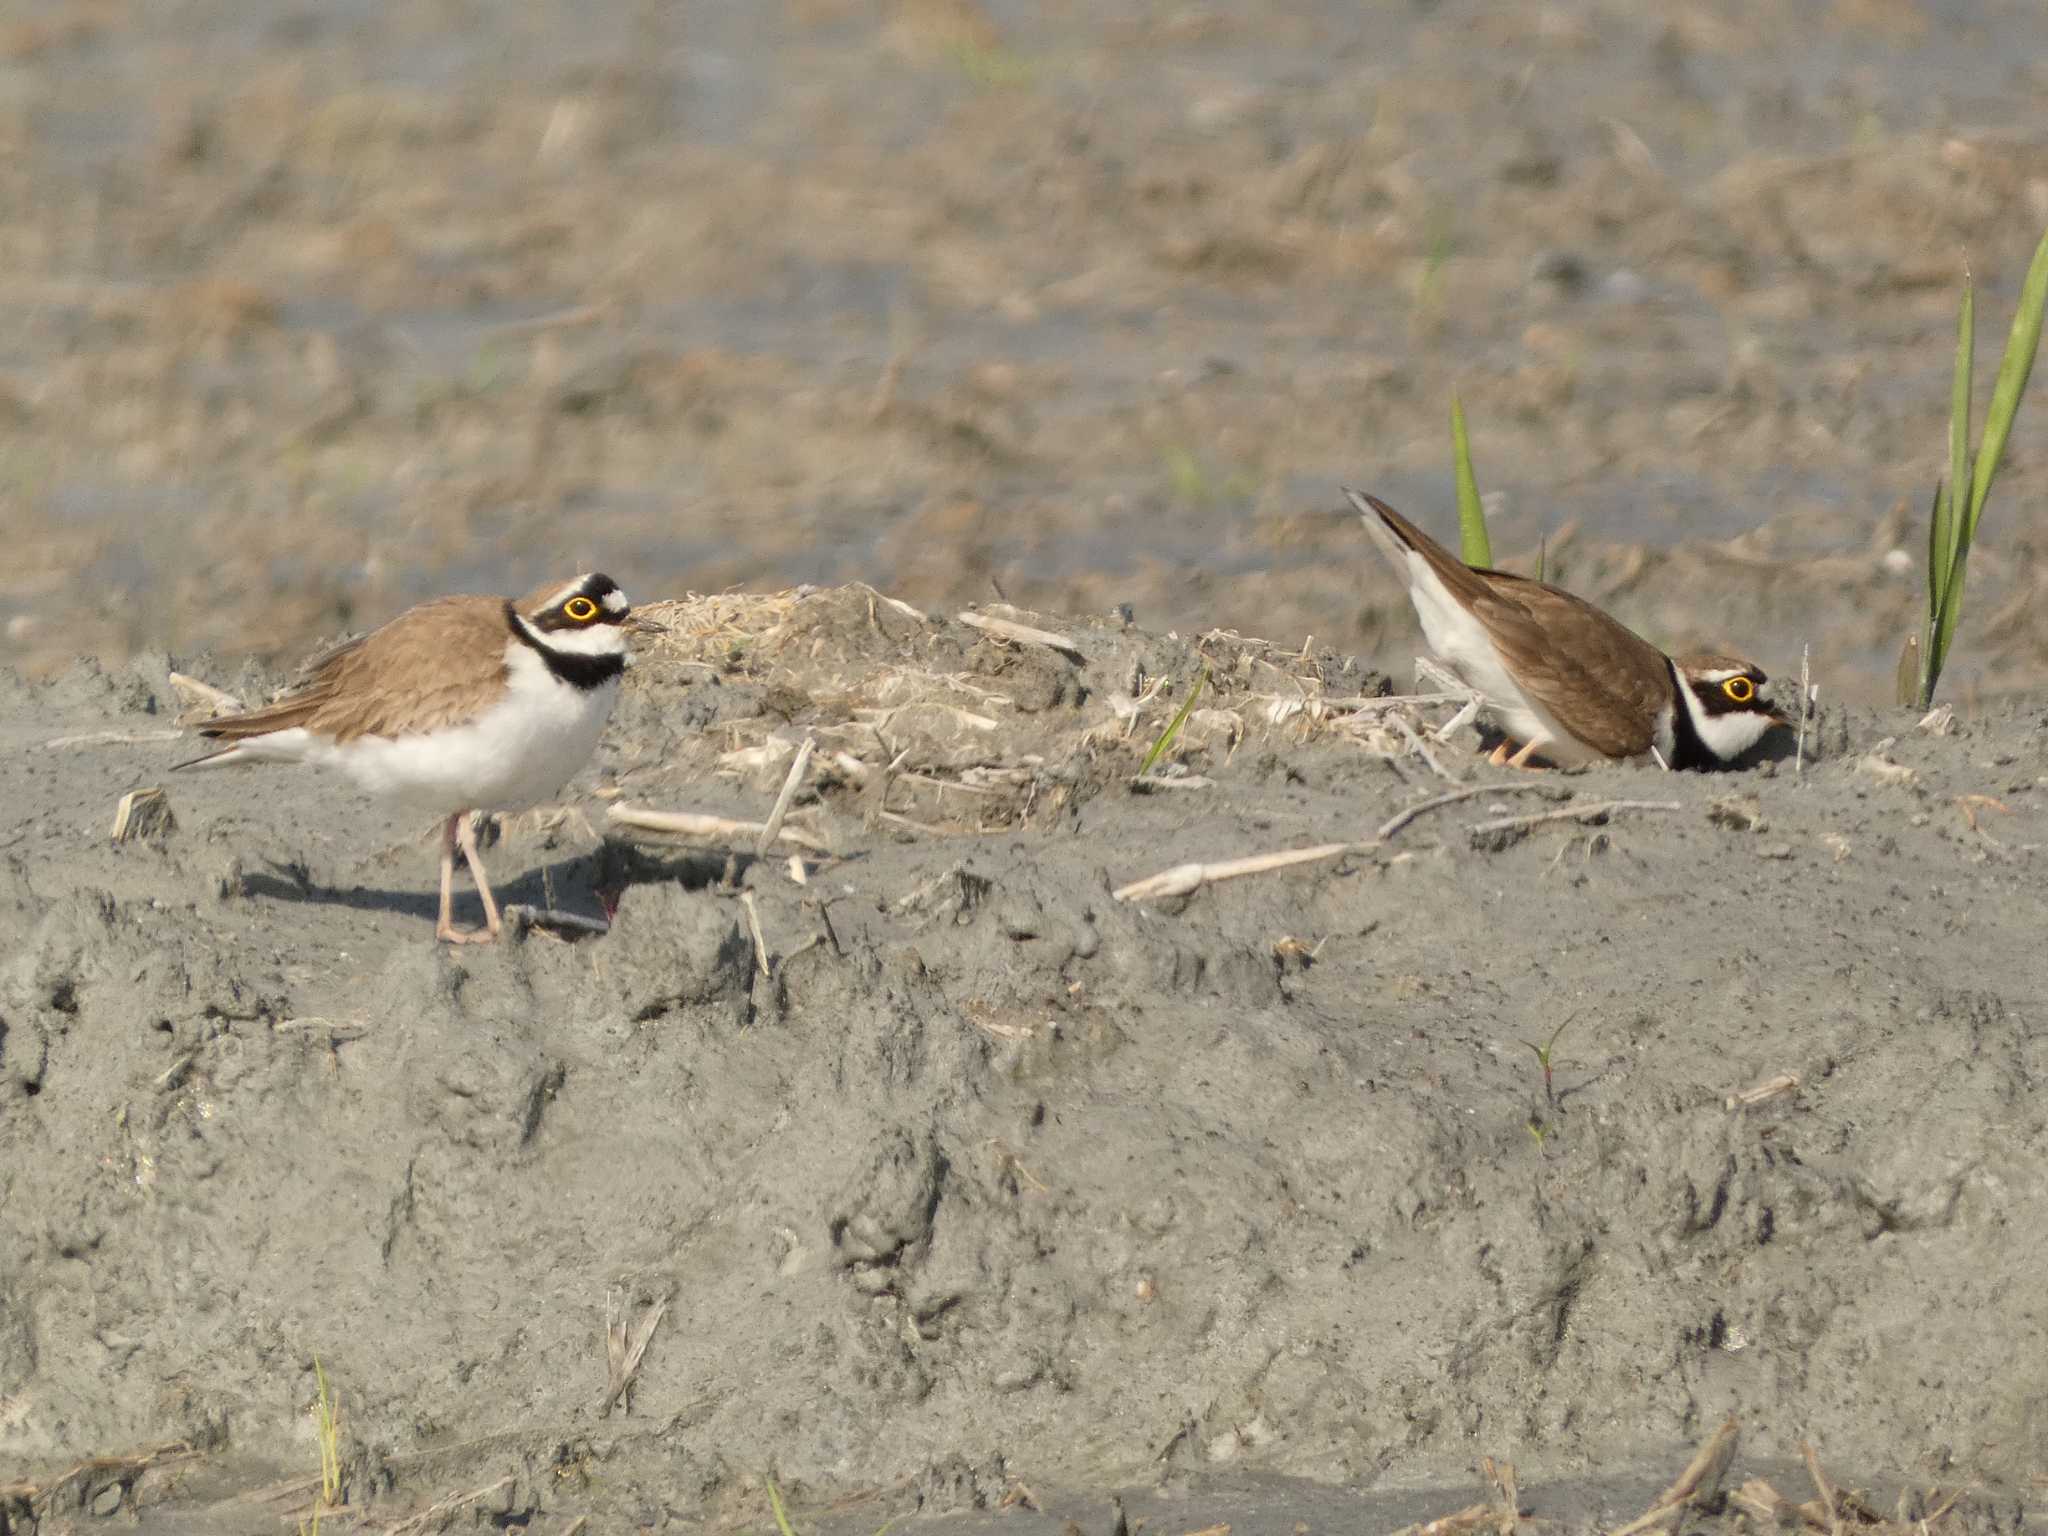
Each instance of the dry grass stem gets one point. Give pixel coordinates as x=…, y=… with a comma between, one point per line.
x=1421, y=748
x=1401, y=819
x=435, y=1515
x=753, y=912
x=1151, y=781
x=1697, y=1485
x=1598, y=810
x=622, y=1353
x=771, y=828
x=1805, y=706
x=710, y=828
x=32, y=1500
x=1770, y=1088
x=202, y=701
x=553, y=920
x=111, y=739
x=1473, y=1517
x=1183, y=878
x=1021, y=634
x=143, y=813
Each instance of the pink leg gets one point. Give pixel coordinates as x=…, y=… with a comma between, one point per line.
x=483, y=886
x=453, y=832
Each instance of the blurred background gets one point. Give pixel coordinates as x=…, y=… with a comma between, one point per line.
x=314, y=309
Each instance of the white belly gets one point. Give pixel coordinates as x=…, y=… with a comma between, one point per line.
x=519, y=752
x=1462, y=643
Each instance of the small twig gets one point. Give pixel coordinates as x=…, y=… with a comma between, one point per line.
x=1506, y=1489
x=194, y=692
x=1805, y=706
x=147, y=813
x=1770, y=1088
x=1021, y=634
x=1697, y=1484
x=714, y=828
x=1422, y=747
x=1599, y=810
x=1822, y=1486
x=172, y=1074
x=1363, y=705
x=1401, y=819
x=1464, y=717
x=335, y=1030
x=111, y=739
x=525, y=916
x=436, y=1514
x=1183, y=878
x=754, y=928
x=622, y=1354
x=1151, y=781
x=773, y=826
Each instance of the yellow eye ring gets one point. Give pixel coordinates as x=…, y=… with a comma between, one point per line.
x=1740, y=689
x=581, y=609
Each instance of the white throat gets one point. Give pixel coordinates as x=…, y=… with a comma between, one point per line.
x=1727, y=736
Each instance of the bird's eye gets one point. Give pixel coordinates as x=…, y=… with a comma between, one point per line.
x=581, y=609
x=1740, y=689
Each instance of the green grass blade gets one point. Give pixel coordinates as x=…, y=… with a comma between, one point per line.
x=2013, y=370
x=775, y=1503
x=1173, y=726
x=1959, y=418
x=1474, y=548
x=1964, y=510
x=1921, y=653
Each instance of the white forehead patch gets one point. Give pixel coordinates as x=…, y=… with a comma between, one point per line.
x=1717, y=674
x=615, y=601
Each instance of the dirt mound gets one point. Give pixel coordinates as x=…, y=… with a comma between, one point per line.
x=953, y=1171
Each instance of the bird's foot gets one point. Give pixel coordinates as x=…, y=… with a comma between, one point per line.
x=1499, y=757
x=448, y=933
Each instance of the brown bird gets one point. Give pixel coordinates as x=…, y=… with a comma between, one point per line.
x=1566, y=681
x=461, y=704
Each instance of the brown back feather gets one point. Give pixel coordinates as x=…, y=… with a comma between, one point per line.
x=1607, y=689
x=426, y=668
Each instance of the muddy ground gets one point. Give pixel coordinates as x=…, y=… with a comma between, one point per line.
x=958, y=1174
x=966, y=1177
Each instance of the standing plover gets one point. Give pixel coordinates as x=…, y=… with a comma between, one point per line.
x=462, y=704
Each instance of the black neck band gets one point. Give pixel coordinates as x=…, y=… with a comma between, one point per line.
x=1687, y=750
x=578, y=671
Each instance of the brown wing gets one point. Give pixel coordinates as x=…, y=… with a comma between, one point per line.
x=1606, y=683
x=1607, y=688
x=432, y=665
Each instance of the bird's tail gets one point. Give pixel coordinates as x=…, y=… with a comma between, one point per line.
x=1386, y=534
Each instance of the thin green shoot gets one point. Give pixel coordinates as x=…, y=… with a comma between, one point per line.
x=1474, y=548
x=784, y=1528
x=327, y=1419
x=1543, y=1058
x=993, y=68
x=1959, y=503
x=1173, y=726
x=327, y=1427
